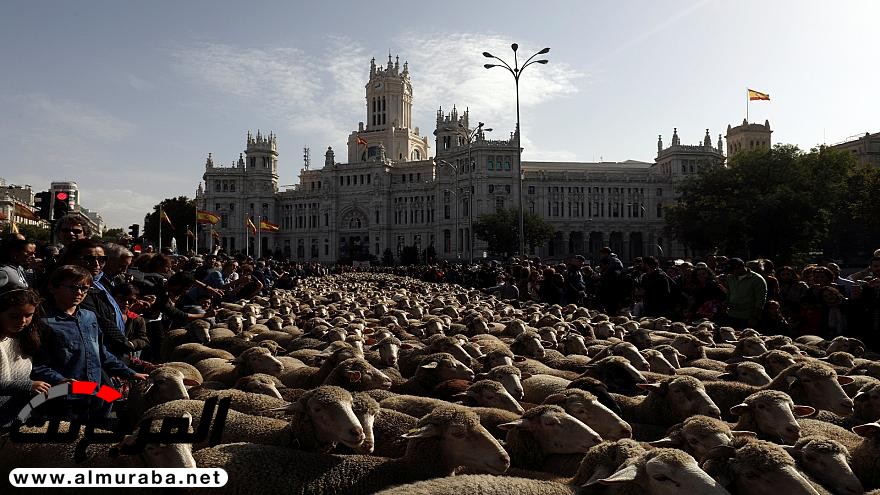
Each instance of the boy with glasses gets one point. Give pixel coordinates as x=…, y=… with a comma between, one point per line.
x=73, y=348
x=89, y=254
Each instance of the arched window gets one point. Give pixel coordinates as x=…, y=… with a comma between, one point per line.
x=416, y=155
x=354, y=223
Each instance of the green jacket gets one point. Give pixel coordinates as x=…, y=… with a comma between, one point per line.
x=746, y=295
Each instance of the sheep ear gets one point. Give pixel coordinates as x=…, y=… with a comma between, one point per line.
x=554, y=399
x=519, y=423
x=624, y=475
x=867, y=430
x=744, y=434
x=730, y=377
x=739, y=409
x=370, y=341
x=665, y=442
x=353, y=376
x=427, y=431
x=430, y=366
x=523, y=375
x=791, y=449
x=845, y=380
x=790, y=380
x=651, y=387
x=803, y=410
x=406, y=346
x=519, y=359
x=598, y=474
x=860, y=397
x=189, y=382
x=546, y=343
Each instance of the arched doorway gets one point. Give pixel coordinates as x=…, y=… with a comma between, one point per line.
x=354, y=237
x=576, y=243
x=597, y=240
x=636, y=245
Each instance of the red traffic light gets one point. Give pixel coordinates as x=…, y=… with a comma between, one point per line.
x=61, y=196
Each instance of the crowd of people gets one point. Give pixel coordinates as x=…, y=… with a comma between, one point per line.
x=83, y=310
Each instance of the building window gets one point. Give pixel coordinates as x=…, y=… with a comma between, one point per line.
x=447, y=241
x=231, y=206
x=224, y=220
x=659, y=192
x=499, y=203
x=446, y=214
x=326, y=247
x=506, y=163
x=490, y=164
x=232, y=186
x=531, y=189
x=659, y=210
x=532, y=207
x=217, y=186
x=252, y=161
x=341, y=181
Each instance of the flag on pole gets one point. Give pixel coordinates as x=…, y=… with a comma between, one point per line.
x=204, y=216
x=361, y=141
x=189, y=233
x=757, y=95
x=250, y=225
x=164, y=217
x=215, y=234
x=268, y=227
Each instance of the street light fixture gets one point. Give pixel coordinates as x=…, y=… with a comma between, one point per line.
x=516, y=71
x=470, y=135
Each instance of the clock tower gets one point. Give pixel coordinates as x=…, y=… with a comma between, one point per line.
x=389, y=98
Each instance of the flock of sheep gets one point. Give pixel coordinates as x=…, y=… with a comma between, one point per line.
x=366, y=383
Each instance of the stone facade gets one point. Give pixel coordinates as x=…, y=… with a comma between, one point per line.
x=748, y=137
x=865, y=148
x=390, y=194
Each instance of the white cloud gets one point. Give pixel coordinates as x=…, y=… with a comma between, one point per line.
x=448, y=69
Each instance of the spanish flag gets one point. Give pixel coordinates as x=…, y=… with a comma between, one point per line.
x=164, y=217
x=757, y=95
x=204, y=216
x=361, y=141
x=268, y=227
x=215, y=234
x=250, y=225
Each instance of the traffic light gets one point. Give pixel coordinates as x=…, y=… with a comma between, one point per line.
x=62, y=204
x=43, y=200
x=134, y=231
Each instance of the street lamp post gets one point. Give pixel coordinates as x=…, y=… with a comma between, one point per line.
x=455, y=169
x=470, y=135
x=516, y=71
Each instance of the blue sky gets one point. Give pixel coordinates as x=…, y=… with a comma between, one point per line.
x=128, y=98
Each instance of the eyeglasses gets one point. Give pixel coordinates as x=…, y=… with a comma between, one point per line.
x=73, y=231
x=91, y=259
x=78, y=288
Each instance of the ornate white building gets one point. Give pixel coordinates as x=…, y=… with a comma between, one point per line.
x=390, y=193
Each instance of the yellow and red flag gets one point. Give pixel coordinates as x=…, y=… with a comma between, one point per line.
x=250, y=225
x=215, y=234
x=164, y=217
x=204, y=216
x=757, y=95
x=268, y=227
x=361, y=141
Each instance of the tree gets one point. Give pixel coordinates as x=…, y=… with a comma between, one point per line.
x=182, y=213
x=765, y=203
x=36, y=233
x=500, y=231
x=388, y=257
x=117, y=236
x=409, y=256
